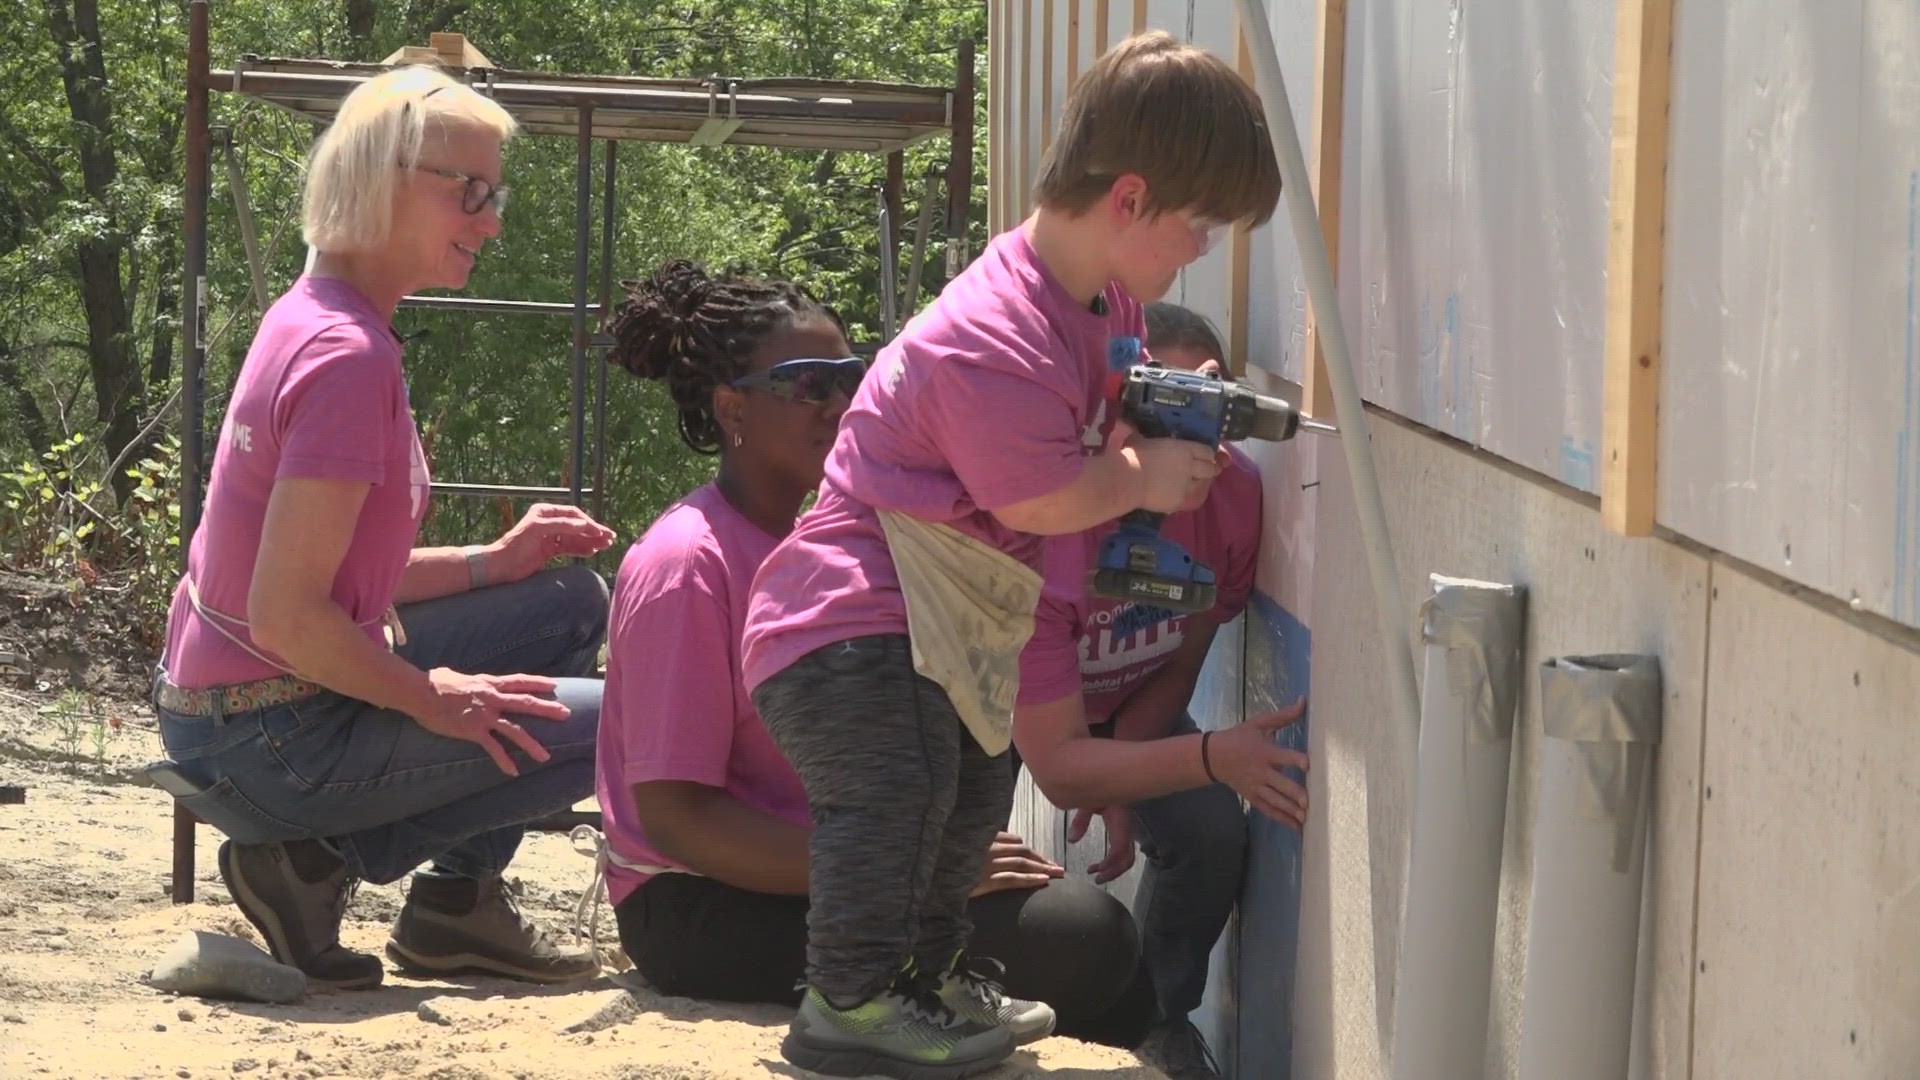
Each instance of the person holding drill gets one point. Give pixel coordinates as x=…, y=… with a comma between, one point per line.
x=1103, y=723
x=707, y=825
x=883, y=639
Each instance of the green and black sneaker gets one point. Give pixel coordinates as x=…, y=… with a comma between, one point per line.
x=907, y=1032
x=971, y=987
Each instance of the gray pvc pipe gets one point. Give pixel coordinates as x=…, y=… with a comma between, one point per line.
x=1602, y=716
x=1474, y=633
x=1348, y=404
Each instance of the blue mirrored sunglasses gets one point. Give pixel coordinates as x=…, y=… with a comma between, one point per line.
x=811, y=381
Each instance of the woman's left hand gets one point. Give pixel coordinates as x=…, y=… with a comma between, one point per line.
x=547, y=532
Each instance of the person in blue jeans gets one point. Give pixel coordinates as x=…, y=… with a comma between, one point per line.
x=344, y=705
x=1102, y=726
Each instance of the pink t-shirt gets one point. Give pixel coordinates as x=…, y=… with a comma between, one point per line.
x=321, y=396
x=674, y=707
x=1106, y=648
x=992, y=396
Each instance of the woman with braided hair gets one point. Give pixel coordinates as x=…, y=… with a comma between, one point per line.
x=707, y=823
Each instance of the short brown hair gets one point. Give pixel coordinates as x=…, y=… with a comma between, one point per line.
x=1173, y=114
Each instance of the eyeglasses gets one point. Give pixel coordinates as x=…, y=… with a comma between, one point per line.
x=478, y=194
x=811, y=381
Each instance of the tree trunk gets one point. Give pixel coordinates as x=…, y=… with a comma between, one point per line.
x=33, y=422
x=117, y=384
x=360, y=20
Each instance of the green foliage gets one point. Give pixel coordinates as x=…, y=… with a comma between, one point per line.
x=57, y=523
x=77, y=718
x=46, y=510
x=492, y=395
x=150, y=538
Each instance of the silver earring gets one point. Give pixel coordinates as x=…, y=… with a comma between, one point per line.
x=737, y=440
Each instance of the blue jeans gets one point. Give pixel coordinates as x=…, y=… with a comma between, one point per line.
x=387, y=793
x=1195, y=843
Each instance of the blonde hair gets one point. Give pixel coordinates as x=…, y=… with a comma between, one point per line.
x=1175, y=115
x=354, y=170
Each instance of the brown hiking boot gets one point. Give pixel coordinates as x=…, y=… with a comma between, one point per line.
x=295, y=894
x=454, y=924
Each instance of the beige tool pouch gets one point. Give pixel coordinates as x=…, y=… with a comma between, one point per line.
x=969, y=612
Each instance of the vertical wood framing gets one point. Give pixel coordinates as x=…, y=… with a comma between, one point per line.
x=1139, y=16
x=996, y=90
x=1046, y=76
x=1026, y=107
x=1102, y=26
x=1239, y=243
x=1073, y=43
x=1636, y=213
x=1329, y=107
x=1009, y=127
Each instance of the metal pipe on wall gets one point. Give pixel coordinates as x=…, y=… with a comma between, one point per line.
x=1349, y=405
x=1602, y=716
x=1474, y=633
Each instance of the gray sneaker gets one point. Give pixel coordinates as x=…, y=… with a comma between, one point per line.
x=906, y=1032
x=971, y=987
x=1176, y=1048
x=455, y=924
x=295, y=894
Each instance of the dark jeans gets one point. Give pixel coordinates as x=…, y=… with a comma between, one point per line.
x=385, y=791
x=1067, y=943
x=1195, y=844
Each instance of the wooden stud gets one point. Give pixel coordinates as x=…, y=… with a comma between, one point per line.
x=1636, y=212
x=1329, y=107
x=994, y=92
x=1139, y=16
x=1046, y=77
x=445, y=48
x=1102, y=26
x=1026, y=107
x=1010, y=147
x=1239, y=242
x=1073, y=43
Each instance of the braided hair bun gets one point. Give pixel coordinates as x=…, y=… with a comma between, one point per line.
x=695, y=332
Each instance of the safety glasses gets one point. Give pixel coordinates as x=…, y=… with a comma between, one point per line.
x=812, y=381
x=1208, y=231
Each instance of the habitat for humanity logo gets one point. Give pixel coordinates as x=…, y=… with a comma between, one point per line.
x=1129, y=634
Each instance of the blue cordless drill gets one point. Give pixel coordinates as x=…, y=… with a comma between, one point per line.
x=1136, y=562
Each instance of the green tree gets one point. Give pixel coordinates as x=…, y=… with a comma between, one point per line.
x=91, y=103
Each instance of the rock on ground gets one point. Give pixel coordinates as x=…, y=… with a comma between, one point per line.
x=211, y=965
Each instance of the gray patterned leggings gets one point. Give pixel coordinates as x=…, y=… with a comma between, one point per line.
x=905, y=804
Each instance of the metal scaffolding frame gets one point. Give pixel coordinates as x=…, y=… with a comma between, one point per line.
x=794, y=113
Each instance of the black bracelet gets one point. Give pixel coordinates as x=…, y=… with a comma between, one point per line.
x=1205, y=761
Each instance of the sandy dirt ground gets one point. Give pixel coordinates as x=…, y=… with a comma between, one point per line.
x=84, y=912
